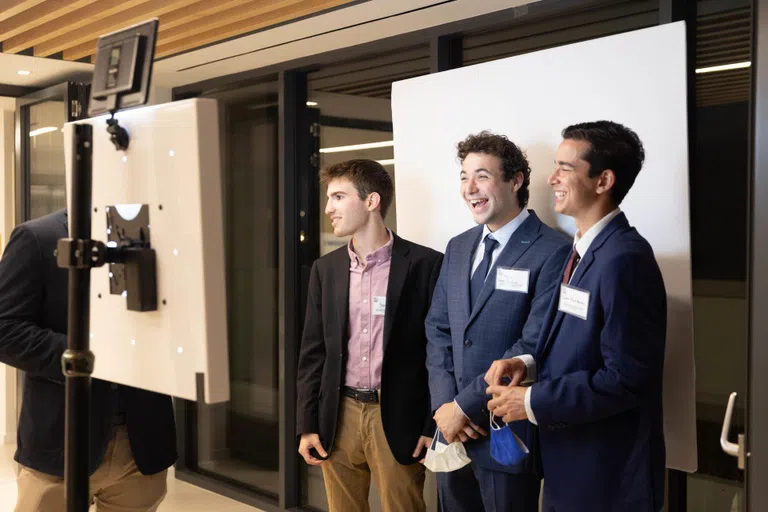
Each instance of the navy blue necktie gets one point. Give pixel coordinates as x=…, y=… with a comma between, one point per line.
x=478, y=278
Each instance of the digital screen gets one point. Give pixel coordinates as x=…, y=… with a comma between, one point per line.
x=114, y=56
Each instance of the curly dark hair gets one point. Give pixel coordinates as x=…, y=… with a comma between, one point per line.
x=513, y=160
x=368, y=176
x=612, y=146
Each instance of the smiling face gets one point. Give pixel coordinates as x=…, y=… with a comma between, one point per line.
x=347, y=211
x=587, y=199
x=491, y=200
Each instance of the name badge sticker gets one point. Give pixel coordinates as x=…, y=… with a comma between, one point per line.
x=379, y=305
x=574, y=301
x=512, y=279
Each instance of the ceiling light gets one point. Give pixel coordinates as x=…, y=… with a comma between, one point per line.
x=311, y=103
x=391, y=161
x=725, y=67
x=40, y=131
x=23, y=72
x=356, y=147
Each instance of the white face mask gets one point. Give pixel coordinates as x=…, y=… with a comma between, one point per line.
x=443, y=458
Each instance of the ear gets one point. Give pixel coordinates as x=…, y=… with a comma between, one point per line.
x=373, y=201
x=517, y=181
x=606, y=181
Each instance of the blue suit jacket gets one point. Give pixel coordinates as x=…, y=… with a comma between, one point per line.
x=598, y=400
x=462, y=344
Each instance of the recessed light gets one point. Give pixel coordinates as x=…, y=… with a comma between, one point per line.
x=23, y=72
x=311, y=103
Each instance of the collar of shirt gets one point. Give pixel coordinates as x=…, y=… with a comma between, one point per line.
x=378, y=256
x=582, y=243
x=504, y=233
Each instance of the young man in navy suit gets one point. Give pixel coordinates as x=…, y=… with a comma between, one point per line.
x=489, y=303
x=597, y=397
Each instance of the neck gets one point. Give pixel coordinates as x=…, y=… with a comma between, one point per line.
x=370, y=238
x=593, y=216
x=497, y=224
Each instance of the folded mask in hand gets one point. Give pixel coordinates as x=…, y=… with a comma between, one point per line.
x=506, y=448
x=443, y=458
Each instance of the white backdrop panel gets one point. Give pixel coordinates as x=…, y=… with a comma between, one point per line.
x=637, y=79
x=172, y=161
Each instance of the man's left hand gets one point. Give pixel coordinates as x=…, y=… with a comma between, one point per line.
x=423, y=444
x=509, y=403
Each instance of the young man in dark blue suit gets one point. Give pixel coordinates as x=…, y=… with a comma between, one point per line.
x=494, y=288
x=133, y=433
x=597, y=399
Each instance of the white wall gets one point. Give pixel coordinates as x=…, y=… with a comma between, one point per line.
x=636, y=78
x=7, y=374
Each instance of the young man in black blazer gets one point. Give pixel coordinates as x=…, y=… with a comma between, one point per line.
x=132, y=436
x=363, y=401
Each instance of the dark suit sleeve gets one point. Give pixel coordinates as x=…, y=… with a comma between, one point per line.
x=473, y=399
x=442, y=383
x=23, y=343
x=311, y=359
x=632, y=343
x=429, y=423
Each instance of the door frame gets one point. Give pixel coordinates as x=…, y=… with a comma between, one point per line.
x=757, y=386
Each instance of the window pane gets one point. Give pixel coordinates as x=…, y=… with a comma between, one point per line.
x=46, y=158
x=239, y=440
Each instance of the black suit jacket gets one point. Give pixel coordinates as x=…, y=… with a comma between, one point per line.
x=33, y=327
x=405, y=408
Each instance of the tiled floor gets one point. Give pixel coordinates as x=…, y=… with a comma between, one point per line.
x=181, y=495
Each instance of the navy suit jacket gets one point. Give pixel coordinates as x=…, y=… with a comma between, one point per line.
x=462, y=344
x=33, y=327
x=598, y=399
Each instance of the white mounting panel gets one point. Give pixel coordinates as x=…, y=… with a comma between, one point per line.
x=171, y=165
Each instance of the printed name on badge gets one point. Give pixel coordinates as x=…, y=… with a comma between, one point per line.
x=574, y=301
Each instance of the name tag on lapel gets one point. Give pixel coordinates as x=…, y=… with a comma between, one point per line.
x=512, y=279
x=574, y=301
x=379, y=305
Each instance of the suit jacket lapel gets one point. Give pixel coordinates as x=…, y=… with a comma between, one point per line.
x=466, y=256
x=522, y=239
x=584, y=265
x=340, y=286
x=398, y=272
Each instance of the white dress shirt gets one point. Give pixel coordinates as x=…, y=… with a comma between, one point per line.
x=581, y=245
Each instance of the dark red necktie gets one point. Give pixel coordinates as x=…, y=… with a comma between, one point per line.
x=573, y=262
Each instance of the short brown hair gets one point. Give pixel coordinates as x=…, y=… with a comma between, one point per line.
x=513, y=159
x=368, y=176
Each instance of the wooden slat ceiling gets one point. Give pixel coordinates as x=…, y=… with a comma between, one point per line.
x=69, y=28
x=723, y=38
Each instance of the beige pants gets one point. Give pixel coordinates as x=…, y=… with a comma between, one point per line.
x=116, y=486
x=361, y=450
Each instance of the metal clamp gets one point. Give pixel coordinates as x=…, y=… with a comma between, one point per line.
x=77, y=363
x=79, y=254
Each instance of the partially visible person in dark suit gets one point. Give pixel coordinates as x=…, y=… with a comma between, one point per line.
x=363, y=402
x=133, y=436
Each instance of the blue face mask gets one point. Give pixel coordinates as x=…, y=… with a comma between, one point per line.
x=506, y=448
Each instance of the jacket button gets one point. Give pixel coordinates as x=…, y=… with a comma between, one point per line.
x=467, y=343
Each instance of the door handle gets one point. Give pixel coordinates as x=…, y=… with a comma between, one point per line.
x=733, y=449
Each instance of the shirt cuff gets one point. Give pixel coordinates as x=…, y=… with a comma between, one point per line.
x=528, y=410
x=462, y=410
x=530, y=365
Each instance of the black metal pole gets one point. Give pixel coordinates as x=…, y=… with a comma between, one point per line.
x=77, y=361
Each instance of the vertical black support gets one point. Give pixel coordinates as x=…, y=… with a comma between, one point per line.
x=22, y=163
x=757, y=272
x=671, y=11
x=77, y=361
x=445, y=52
x=294, y=160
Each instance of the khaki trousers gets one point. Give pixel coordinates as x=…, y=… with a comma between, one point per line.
x=116, y=486
x=361, y=450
